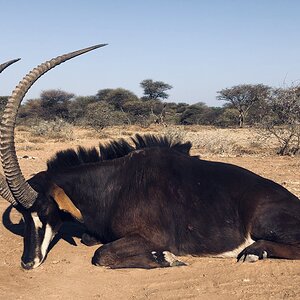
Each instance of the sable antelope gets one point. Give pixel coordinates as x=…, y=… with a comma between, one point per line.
x=148, y=201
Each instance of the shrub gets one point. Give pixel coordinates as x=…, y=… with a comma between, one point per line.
x=57, y=129
x=282, y=119
x=101, y=114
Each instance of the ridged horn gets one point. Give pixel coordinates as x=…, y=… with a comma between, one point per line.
x=4, y=189
x=19, y=187
x=8, y=63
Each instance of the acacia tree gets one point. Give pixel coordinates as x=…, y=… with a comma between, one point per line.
x=154, y=90
x=54, y=104
x=243, y=97
x=282, y=118
x=116, y=97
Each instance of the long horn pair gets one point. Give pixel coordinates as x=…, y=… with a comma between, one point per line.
x=4, y=189
x=19, y=187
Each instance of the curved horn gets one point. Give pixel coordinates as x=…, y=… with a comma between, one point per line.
x=8, y=63
x=4, y=189
x=19, y=187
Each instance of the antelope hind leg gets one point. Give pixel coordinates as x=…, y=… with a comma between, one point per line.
x=266, y=249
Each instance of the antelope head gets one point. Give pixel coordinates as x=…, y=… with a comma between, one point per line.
x=40, y=208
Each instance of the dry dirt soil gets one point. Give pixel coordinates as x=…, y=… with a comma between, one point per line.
x=68, y=273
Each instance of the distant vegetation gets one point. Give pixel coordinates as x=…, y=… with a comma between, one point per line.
x=275, y=111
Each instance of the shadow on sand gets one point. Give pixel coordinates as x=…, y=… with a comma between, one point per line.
x=67, y=232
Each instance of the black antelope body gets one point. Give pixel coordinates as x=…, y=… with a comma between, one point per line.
x=148, y=202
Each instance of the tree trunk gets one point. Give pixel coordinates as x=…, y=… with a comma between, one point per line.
x=241, y=119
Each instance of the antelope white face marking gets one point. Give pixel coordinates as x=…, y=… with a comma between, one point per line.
x=36, y=220
x=41, y=249
x=48, y=236
x=234, y=253
x=37, y=262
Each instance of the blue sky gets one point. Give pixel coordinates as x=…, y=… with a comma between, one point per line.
x=199, y=47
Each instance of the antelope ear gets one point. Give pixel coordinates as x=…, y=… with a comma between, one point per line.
x=65, y=203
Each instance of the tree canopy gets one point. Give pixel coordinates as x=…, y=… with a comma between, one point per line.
x=242, y=97
x=154, y=90
x=276, y=110
x=116, y=97
x=54, y=104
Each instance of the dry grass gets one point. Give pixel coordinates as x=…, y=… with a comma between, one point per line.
x=211, y=141
x=207, y=141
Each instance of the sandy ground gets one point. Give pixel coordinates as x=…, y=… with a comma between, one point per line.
x=68, y=273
